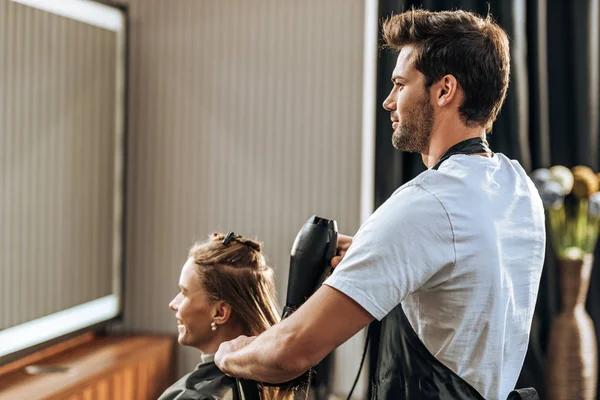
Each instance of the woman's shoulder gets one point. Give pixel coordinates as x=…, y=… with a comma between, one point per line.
x=207, y=382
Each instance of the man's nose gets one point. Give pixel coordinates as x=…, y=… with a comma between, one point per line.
x=389, y=104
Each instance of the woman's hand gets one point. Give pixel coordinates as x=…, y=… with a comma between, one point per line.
x=343, y=244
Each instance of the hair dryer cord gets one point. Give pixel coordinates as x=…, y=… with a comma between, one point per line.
x=361, y=363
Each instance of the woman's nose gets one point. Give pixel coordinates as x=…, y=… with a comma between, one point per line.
x=173, y=304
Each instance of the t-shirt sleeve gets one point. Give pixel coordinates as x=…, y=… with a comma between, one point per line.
x=407, y=244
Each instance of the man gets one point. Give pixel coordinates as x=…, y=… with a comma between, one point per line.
x=451, y=262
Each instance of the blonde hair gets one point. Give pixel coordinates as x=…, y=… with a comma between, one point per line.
x=237, y=273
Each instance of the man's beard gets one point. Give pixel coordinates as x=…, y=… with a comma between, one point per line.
x=414, y=130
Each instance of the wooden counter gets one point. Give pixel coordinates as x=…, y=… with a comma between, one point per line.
x=115, y=368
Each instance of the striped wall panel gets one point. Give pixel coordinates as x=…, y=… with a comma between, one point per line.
x=244, y=116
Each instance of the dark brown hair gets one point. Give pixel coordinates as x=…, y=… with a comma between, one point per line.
x=471, y=48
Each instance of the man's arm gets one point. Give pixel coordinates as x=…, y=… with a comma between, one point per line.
x=288, y=349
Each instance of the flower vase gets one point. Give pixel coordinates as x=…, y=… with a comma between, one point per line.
x=571, y=372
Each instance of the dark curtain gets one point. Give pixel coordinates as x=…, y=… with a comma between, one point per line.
x=551, y=116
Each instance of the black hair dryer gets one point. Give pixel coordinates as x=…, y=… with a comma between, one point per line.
x=310, y=260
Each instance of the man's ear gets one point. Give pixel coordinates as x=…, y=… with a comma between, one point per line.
x=221, y=312
x=445, y=90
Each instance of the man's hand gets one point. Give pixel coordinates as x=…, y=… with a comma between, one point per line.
x=290, y=347
x=344, y=243
x=227, y=348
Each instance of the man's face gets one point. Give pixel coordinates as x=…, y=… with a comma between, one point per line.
x=409, y=105
x=192, y=308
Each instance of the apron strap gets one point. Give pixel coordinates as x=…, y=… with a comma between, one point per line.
x=469, y=146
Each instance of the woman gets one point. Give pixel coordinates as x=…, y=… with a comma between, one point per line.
x=227, y=290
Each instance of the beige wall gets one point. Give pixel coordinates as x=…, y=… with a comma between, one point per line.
x=244, y=116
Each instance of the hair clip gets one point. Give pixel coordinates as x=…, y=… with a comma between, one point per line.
x=228, y=238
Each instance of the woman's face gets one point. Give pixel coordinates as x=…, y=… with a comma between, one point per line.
x=193, y=310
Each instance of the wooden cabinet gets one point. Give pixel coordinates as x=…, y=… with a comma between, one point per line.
x=105, y=368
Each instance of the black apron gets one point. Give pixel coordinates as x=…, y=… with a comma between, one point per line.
x=406, y=370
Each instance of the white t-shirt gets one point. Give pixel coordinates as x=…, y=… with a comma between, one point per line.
x=462, y=249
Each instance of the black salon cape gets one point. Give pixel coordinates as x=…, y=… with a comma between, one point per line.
x=206, y=382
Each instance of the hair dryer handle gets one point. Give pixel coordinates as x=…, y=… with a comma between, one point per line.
x=332, y=248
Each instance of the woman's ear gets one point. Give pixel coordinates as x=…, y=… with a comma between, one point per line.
x=446, y=90
x=221, y=312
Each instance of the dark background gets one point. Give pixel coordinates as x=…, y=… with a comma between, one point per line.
x=551, y=116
